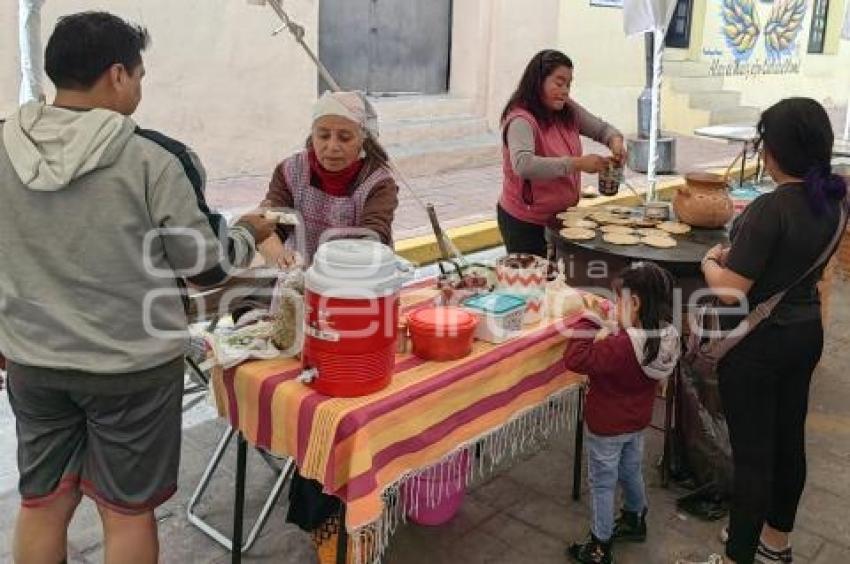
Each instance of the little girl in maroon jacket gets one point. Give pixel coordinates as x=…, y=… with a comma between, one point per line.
x=624, y=361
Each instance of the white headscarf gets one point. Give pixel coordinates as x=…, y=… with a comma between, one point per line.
x=350, y=105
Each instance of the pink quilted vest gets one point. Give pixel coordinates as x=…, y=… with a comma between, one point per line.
x=538, y=200
x=321, y=211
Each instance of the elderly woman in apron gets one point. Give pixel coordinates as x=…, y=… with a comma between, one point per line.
x=339, y=184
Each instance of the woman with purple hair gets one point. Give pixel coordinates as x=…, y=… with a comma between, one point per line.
x=764, y=380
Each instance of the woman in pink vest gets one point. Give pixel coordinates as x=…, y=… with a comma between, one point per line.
x=340, y=183
x=542, y=153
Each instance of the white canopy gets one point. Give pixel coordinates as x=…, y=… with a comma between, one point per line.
x=642, y=16
x=32, y=55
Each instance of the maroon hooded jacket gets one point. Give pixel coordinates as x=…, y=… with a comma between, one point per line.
x=621, y=390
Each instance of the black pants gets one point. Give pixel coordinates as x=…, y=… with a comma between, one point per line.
x=520, y=236
x=764, y=384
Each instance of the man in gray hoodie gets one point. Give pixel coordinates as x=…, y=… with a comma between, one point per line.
x=100, y=223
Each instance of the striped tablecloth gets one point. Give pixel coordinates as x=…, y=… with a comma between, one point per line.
x=499, y=400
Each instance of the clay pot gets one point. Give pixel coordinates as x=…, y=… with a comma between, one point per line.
x=704, y=201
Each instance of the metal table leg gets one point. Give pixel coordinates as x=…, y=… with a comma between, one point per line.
x=669, y=403
x=342, y=539
x=285, y=473
x=239, y=498
x=743, y=164
x=579, y=446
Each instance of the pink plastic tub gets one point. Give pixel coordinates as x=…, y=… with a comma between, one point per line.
x=416, y=492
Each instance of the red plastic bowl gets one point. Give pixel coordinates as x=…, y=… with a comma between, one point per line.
x=442, y=332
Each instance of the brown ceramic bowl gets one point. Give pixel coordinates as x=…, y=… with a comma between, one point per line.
x=706, y=180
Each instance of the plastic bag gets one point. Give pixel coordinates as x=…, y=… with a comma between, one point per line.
x=287, y=312
x=701, y=435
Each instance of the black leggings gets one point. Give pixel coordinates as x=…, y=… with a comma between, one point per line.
x=520, y=236
x=764, y=384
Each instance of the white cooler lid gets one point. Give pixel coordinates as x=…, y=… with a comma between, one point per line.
x=354, y=268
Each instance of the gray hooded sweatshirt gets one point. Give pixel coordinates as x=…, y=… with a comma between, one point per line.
x=99, y=223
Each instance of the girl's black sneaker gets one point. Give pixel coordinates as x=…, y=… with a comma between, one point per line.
x=630, y=527
x=592, y=551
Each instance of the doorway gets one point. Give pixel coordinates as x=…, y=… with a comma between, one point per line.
x=386, y=46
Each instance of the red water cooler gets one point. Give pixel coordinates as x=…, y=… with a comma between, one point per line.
x=351, y=317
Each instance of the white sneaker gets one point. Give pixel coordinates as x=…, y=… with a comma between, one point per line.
x=767, y=555
x=713, y=559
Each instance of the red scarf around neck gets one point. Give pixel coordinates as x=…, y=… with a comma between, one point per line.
x=334, y=183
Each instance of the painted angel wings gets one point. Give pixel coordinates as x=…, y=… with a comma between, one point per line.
x=742, y=28
x=783, y=26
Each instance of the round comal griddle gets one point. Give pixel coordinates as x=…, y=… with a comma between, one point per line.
x=691, y=247
x=594, y=263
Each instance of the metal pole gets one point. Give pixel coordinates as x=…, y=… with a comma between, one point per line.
x=654, y=127
x=297, y=32
x=645, y=98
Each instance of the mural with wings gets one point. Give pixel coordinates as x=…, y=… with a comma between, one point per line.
x=742, y=28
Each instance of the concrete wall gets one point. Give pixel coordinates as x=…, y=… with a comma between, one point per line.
x=9, y=60
x=492, y=42
x=216, y=79
x=471, y=39
x=517, y=33
x=609, y=67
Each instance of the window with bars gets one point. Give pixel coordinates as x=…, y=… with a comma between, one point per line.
x=679, y=32
x=817, y=36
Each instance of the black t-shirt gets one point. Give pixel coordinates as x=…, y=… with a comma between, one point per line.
x=774, y=242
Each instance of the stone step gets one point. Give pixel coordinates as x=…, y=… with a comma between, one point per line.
x=434, y=157
x=688, y=84
x=394, y=108
x=686, y=69
x=413, y=130
x=715, y=100
x=745, y=115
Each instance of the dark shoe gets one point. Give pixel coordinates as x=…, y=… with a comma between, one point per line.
x=630, y=527
x=592, y=551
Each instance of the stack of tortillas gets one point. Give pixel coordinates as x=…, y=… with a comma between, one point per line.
x=618, y=228
x=621, y=238
x=646, y=232
x=580, y=223
x=643, y=223
x=622, y=229
x=578, y=234
x=674, y=227
x=574, y=213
